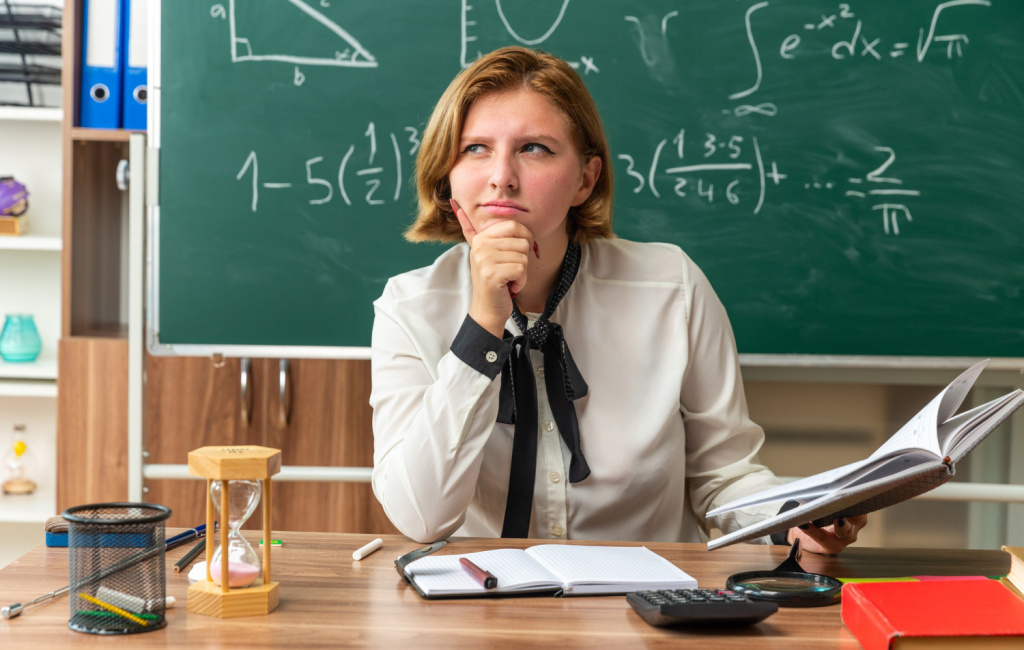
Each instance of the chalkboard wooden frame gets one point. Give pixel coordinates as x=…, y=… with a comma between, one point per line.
x=642, y=184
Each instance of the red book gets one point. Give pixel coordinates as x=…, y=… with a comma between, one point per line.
x=933, y=614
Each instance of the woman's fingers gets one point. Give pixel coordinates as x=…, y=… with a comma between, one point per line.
x=467, y=228
x=829, y=539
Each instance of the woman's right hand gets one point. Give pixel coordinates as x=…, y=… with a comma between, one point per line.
x=499, y=256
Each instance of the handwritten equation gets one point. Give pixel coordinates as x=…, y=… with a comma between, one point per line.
x=735, y=170
x=852, y=40
x=367, y=173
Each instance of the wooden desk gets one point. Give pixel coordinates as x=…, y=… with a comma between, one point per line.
x=327, y=599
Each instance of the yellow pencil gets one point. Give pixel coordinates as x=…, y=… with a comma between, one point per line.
x=116, y=610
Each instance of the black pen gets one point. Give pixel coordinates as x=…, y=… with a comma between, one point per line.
x=486, y=579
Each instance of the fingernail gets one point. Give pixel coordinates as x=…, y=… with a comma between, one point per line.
x=536, y=250
x=804, y=526
x=455, y=205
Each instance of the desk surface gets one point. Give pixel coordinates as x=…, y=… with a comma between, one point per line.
x=327, y=599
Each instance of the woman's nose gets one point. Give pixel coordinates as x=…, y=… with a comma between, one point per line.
x=503, y=172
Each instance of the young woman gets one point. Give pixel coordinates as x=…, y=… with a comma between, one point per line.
x=543, y=378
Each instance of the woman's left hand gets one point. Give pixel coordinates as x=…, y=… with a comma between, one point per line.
x=830, y=539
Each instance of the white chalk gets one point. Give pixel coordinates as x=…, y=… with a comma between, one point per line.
x=369, y=548
x=131, y=603
x=121, y=599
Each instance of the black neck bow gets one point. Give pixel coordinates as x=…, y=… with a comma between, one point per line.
x=518, y=399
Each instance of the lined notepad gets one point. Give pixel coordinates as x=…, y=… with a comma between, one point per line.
x=567, y=570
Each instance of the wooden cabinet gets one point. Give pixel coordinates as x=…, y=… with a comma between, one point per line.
x=92, y=421
x=187, y=402
x=323, y=419
x=329, y=424
x=92, y=402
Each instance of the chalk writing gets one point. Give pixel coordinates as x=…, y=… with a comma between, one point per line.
x=853, y=40
x=370, y=178
x=487, y=24
x=733, y=167
x=351, y=53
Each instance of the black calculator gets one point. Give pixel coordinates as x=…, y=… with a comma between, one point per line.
x=699, y=607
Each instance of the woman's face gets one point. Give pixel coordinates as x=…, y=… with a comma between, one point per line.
x=517, y=161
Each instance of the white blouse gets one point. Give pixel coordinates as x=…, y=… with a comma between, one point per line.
x=664, y=426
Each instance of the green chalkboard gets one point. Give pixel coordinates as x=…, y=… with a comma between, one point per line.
x=850, y=176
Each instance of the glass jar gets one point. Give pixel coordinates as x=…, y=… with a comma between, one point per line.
x=19, y=341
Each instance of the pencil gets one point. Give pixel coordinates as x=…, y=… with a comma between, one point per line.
x=191, y=555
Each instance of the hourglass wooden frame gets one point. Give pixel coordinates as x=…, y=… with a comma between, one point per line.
x=228, y=464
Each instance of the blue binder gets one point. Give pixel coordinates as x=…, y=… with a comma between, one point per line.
x=135, y=49
x=102, y=58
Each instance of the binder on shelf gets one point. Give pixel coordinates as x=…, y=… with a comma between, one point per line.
x=135, y=91
x=102, y=59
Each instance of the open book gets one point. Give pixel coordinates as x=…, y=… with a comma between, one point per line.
x=553, y=568
x=919, y=457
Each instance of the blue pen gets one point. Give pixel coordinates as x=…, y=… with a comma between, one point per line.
x=186, y=536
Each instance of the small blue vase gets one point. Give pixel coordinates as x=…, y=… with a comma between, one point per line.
x=19, y=341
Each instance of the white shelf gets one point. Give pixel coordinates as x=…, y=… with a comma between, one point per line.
x=31, y=242
x=29, y=508
x=28, y=388
x=32, y=114
x=39, y=369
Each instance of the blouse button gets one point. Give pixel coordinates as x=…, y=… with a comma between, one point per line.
x=540, y=371
x=555, y=477
x=549, y=425
x=557, y=530
x=491, y=356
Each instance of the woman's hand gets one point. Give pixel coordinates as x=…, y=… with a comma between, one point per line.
x=499, y=257
x=830, y=539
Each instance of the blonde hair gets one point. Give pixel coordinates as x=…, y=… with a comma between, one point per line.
x=502, y=70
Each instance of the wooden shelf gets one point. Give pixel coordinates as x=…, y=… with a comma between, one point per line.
x=102, y=331
x=31, y=113
x=82, y=134
x=31, y=242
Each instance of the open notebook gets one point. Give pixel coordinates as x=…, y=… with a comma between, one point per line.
x=549, y=568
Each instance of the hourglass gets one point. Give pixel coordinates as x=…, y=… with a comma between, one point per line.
x=236, y=477
x=243, y=563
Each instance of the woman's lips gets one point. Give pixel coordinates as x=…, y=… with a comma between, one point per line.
x=503, y=208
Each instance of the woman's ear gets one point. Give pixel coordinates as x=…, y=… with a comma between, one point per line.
x=591, y=172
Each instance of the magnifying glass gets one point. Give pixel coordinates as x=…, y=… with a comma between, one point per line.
x=788, y=584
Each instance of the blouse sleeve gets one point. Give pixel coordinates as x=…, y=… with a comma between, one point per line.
x=431, y=422
x=721, y=440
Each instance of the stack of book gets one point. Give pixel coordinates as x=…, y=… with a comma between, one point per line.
x=1014, y=580
x=956, y=613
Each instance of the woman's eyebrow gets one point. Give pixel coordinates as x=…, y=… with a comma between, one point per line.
x=484, y=139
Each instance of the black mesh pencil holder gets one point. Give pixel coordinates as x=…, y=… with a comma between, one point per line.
x=117, y=581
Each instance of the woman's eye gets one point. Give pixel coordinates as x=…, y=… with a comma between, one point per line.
x=473, y=148
x=535, y=147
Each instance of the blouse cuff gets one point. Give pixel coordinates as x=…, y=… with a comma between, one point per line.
x=780, y=538
x=479, y=349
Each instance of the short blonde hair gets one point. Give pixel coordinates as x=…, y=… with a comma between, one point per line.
x=502, y=70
